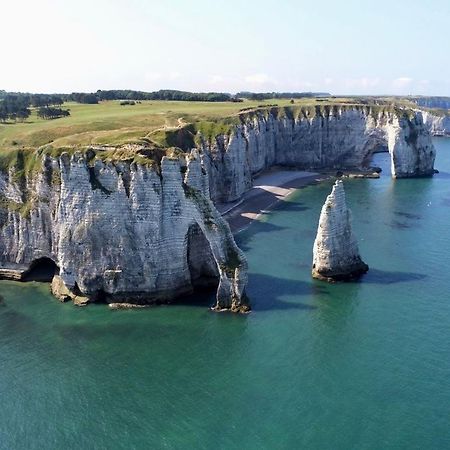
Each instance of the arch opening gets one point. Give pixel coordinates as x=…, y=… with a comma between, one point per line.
x=200, y=260
x=41, y=269
x=374, y=145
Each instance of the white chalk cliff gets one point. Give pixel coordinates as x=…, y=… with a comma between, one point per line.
x=335, y=252
x=438, y=124
x=339, y=137
x=124, y=231
x=120, y=232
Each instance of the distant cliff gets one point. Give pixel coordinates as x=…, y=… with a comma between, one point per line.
x=315, y=138
x=432, y=102
x=437, y=122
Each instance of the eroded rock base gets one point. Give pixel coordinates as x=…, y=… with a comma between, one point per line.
x=349, y=274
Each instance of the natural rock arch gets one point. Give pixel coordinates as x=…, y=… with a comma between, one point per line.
x=230, y=261
x=376, y=143
x=343, y=140
x=202, y=266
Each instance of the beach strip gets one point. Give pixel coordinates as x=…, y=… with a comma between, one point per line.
x=270, y=188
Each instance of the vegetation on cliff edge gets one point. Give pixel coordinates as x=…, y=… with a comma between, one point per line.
x=158, y=126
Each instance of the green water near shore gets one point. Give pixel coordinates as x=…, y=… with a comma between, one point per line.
x=362, y=365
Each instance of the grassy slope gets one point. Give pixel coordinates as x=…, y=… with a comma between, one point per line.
x=110, y=123
x=107, y=123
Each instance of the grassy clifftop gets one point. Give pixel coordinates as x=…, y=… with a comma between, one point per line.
x=159, y=126
x=109, y=123
x=112, y=124
x=187, y=136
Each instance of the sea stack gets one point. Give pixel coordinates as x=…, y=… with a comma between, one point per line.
x=335, y=253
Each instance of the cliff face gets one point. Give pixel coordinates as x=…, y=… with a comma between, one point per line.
x=342, y=138
x=433, y=102
x=121, y=232
x=335, y=251
x=128, y=232
x=438, y=125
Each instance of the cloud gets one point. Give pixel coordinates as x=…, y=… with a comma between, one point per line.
x=153, y=76
x=216, y=79
x=257, y=78
x=174, y=75
x=402, y=82
x=362, y=83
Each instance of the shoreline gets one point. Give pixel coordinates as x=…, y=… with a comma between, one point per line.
x=270, y=188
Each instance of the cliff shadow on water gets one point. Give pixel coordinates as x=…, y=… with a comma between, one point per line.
x=268, y=292
x=378, y=276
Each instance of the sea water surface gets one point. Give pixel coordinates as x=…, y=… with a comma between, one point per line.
x=362, y=365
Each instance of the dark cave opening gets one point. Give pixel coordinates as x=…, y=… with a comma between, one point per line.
x=41, y=269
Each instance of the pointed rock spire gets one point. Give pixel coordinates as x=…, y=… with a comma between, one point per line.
x=335, y=252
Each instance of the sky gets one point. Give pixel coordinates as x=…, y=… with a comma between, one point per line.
x=340, y=46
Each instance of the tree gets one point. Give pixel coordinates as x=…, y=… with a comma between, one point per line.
x=46, y=112
x=3, y=112
x=23, y=114
x=82, y=97
x=14, y=106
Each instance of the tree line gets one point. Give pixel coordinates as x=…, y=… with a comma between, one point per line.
x=35, y=100
x=164, y=94
x=168, y=94
x=16, y=106
x=39, y=100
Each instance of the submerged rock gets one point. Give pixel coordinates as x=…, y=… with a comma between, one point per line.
x=335, y=252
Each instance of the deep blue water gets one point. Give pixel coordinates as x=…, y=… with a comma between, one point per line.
x=362, y=365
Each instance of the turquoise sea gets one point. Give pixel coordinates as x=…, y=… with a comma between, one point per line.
x=362, y=365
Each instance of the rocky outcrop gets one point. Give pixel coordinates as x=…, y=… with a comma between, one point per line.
x=340, y=138
x=335, y=252
x=119, y=231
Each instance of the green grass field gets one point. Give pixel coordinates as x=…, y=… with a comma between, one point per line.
x=110, y=123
